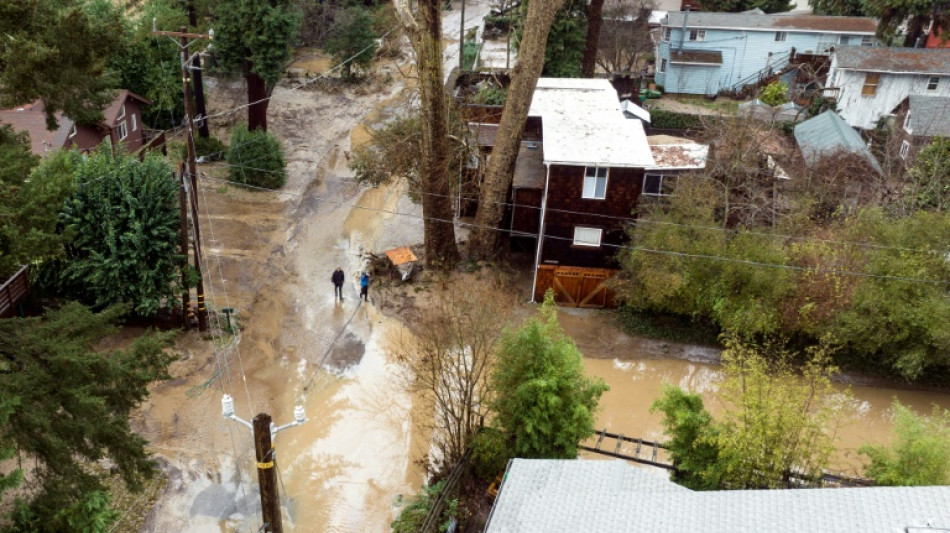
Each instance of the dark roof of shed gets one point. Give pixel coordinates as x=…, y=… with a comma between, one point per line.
x=785, y=22
x=930, y=115
x=711, y=57
x=881, y=59
x=529, y=167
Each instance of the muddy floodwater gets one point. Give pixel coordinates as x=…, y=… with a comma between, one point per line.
x=636, y=370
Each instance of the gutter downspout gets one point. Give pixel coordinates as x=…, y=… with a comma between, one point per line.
x=544, y=207
x=683, y=29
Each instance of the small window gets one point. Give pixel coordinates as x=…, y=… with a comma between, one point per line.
x=595, y=183
x=658, y=185
x=932, y=83
x=844, y=40
x=666, y=34
x=121, y=131
x=584, y=236
x=905, y=147
x=135, y=124
x=121, y=112
x=871, y=82
x=780, y=36
x=867, y=40
x=662, y=66
x=697, y=35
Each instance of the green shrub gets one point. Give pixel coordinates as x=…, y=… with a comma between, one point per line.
x=210, y=149
x=414, y=511
x=491, y=96
x=774, y=94
x=675, y=121
x=470, y=55
x=256, y=158
x=920, y=453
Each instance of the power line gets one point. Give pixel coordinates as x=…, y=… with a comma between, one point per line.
x=617, y=246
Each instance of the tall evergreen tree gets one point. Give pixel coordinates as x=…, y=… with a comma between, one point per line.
x=253, y=37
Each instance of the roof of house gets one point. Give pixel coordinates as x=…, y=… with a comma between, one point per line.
x=747, y=21
x=894, y=60
x=674, y=153
x=829, y=133
x=112, y=112
x=31, y=118
x=582, y=124
x=555, y=496
x=929, y=115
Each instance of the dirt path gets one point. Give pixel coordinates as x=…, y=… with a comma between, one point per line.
x=270, y=256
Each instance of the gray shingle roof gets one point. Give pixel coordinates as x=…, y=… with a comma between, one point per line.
x=703, y=19
x=899, y=60
x=828, y=133
x=571, y=496
x=929, y=115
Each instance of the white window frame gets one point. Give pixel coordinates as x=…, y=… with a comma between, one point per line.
x=121, y=113
x=73, y=132
x=907, y=122
x=933, y=82
x=869, y=88
x=121, y=131
x=135, y=124
x=596, y=176
x=579, y=239
x=781, y=36
x=663, y=66
x=697, y=35
x=905, y=149
x=667, y=33
x=643, y=188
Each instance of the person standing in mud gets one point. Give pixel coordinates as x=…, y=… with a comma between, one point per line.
x=337, y=280
x=364, y=287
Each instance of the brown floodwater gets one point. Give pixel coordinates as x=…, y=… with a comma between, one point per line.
x=636, y=370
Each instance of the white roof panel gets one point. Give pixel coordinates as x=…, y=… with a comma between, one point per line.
x=582, y=124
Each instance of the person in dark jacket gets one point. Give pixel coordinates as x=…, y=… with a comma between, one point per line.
x=364, y=287
x=337, y=280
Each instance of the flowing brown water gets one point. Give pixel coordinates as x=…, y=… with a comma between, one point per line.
x=636, y=370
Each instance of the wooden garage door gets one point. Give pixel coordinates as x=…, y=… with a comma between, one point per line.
x=575, y=286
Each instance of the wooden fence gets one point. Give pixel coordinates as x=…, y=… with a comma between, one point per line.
x=13, y=291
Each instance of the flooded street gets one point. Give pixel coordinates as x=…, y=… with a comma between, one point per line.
x=636, y=370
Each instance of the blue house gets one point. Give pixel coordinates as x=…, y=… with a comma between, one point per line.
x=707, y=53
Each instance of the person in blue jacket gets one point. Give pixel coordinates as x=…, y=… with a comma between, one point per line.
x=364, y=286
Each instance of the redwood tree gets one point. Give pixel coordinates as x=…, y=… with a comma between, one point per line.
x=485, y=240
x=253, y=37
x=424, y=27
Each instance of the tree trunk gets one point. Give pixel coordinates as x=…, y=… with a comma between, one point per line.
x=426, y=34
x=915, y=28
x=592, y=42
x=486, y=241
x=256, y=99
x=199, y=90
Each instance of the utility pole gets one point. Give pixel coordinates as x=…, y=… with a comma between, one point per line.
x=196, y=76
x=183, y=35
x=183, y=235
x=264, y=432
x=462, y=40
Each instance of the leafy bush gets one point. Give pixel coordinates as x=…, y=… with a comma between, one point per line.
x=470, y=55
x=414, y=511
x=675, y=121
x=121, y=233
x=491, y=96
x=920, y=454
x=930, y=177
x=352, y=39
x=774, y=94
x=206, y=149
x=256, y=158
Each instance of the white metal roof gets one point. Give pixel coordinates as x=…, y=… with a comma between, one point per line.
x=582, y=124
x=566, y=496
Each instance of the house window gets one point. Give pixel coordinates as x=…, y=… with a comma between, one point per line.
x=666, y=34
x=844, y=40
x=697, y=35
x=135, y=124
x=905, y=147
x=932, y=83
x=907, y=122
x=780, y=36
x=658, y=185
x=871, y=82
x=662, y=66
x=584, y=236
x=121, y=131
x=595, y=183
x=121, y=112
x=867, y=40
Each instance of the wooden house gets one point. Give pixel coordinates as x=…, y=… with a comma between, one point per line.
x=121, y=126
x=917, y=120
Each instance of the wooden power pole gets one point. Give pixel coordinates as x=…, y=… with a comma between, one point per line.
x=192, y=164
x=267, y=474
x=183, y=235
